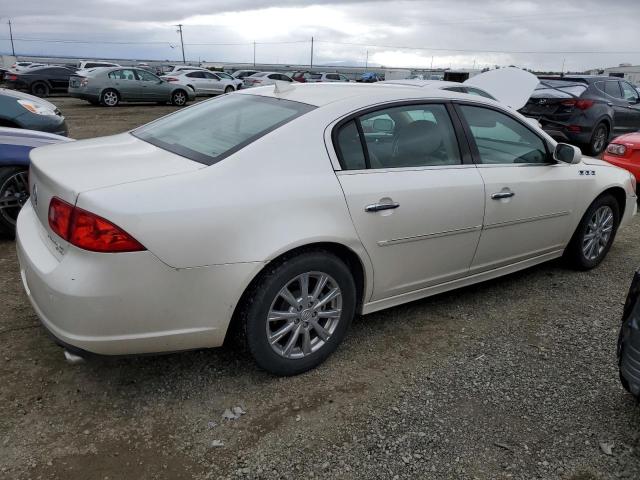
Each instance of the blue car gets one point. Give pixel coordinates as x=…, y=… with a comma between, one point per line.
x=15, y=145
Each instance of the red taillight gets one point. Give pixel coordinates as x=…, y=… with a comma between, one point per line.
x=574, y=128
x=60, y=217
x=171, y=79
x=580, y=104
x=12, y=77
x=89, y=231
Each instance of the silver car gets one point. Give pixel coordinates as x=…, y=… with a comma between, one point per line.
x=204, y=82
x=327, y=77
x=110, y=86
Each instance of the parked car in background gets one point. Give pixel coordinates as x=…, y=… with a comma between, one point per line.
x=110, y=86
x=3, y=72
x=40, y=81
x=265, y=78
x=86, y=64
x=327, y=77
x=301, y=76
x=585, y=110
x=21, y=110
x=21, y=66
x=241, y=74
x=15, y=145
x=172, y=69
x=204, y=82
x=370, y=77
x=335, y=225
x=624, y=152
x=628, y=350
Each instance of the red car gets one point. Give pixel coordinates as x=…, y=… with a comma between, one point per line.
x=624, y=152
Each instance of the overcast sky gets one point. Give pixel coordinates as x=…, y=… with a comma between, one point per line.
x=453, y=33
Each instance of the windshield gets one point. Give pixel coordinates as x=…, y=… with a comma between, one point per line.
x=213, y=130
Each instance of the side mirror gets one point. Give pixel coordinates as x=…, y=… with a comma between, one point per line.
x=382, y=125
x=567, y=153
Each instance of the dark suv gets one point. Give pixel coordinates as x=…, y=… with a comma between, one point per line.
x=585, y=110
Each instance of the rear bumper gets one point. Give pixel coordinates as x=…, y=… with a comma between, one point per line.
x=125, y=303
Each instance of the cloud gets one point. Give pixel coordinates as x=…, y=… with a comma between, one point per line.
x=500, y=31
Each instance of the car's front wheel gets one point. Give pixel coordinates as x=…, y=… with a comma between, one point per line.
x=593, y=238
x=298, y=312
x=14, y=192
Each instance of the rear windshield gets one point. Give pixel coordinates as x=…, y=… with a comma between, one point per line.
x=559, y=88
x=212, y=130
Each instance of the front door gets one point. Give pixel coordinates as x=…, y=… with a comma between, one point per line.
x=153, y=89
x=126, y=83
x=529, y=198
x=415, y=205
x=632, y=113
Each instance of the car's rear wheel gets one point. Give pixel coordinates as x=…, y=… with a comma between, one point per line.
x=40, y=89
x=14, y=192
x=110, y=98
x=228, y=90
x=179, y=98
x=298, y=312
x=599, y=139
x=593, y=238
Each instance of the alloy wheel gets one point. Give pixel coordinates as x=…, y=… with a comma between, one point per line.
x=600, y=139
x=14, y=193
x=179, y=98
x=304, y=315
x=110, y=98
x=598, y=233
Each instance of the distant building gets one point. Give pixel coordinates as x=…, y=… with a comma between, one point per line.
x=627, y=71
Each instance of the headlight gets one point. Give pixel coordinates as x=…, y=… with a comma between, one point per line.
x=37, y=108
x=616, y=149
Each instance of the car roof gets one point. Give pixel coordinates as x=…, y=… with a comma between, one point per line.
x=320, y=94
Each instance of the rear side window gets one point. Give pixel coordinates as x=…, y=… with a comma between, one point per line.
x=239, y=121
x=397, y=137
x=122, y=75
x=350, y=147
x=195, y=75
x=501, y=139
x=612, y=89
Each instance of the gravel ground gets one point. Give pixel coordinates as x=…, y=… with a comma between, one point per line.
x=512, y=378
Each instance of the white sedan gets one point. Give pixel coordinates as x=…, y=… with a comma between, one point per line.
x=295, y=209
x=204, y=82
x=261, y=79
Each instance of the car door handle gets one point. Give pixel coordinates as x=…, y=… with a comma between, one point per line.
x=500, y=195
x=377, y=207
x=610, y=104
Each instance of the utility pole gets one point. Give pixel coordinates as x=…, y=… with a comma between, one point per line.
x=254, y=54
x=13, y=50
x=431, y=63
x=366, y=62
x=181, y=42
x=311, y=64
x=562, y=71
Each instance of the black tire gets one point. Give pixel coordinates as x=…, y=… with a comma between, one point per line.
x=575, y=253
x=14, y=185
x=40, y=89
x=264, y=292
x=599, y=139
x=228, y=89
x=110, y=98
x=179, y=98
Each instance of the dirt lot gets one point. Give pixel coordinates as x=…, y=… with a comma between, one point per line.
x=513, y=378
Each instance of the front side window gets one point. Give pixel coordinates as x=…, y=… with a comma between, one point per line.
x=333, y=76
x=629, y=93
x=501, y=139
x=239, y=121
x=405, y=136
x=146, y=76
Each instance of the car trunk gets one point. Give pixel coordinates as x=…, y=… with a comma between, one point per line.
x=554, y=99
x=67, y=170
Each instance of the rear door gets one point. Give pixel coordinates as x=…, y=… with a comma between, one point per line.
x=529, y=198
x=126, y=83
x=415, y=200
